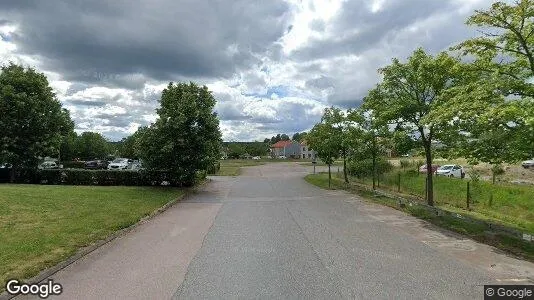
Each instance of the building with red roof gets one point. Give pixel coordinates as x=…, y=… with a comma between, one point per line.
x=292, y=149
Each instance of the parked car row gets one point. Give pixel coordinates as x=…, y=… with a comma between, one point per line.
x=528, y=164
x=445, y=170
x=96, y=164
x=116, y=164
x=49, y=165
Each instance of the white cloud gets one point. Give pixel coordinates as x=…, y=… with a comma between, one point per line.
x=282, y=69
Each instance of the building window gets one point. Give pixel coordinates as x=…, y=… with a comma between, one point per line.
x=309, y=155
x=303, y=148
x=303, y=155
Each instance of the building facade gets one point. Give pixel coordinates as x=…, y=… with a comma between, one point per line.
x=292, y=149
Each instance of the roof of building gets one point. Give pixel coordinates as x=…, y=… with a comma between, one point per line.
x=281, y=144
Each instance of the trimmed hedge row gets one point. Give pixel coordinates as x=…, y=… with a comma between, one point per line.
x=364, y=168
x=213, y=169
x=94, y=177
x=73, y=164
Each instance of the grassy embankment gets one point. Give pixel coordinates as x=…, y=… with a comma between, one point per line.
x=42, y=225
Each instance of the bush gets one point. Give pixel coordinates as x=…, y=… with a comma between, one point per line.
x=100, y=177
x=213, y=169
x=364, y=168
x=73, y=164
x=405, y=163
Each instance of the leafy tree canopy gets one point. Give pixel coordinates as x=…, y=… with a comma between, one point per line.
x=185, y=138
x=32, y=122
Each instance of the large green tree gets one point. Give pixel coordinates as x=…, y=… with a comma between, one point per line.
x=131, y=146
x=32, y=122
x=92, y=145
x=336, y=120
x=505, y=46
x=69, y=147
x=408, y=93
x=366, y=137
x=495, y=105
x=185, y=138
x=326, y=139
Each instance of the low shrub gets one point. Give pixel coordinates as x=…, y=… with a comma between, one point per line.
x=73, y=164
x=102, y=177
x=213, y=169
x=364, y=168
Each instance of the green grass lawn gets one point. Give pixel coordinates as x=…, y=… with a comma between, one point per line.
x=320, y=163
x=42, y=225
x=511, y=204
x=232, y=167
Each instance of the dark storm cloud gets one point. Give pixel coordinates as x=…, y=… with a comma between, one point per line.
x=358, y=29
x=85, y=102
x=231, y=112
x=120, y=121
x=321, y=82
x=97, y=41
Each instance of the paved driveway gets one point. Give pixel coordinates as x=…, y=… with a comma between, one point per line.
x=269, y=234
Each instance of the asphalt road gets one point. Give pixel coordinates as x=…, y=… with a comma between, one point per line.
x=278, y=237
x=268, y=234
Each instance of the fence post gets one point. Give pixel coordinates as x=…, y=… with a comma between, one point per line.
x=398, y=182
x=426, y=189
x=378, y=180
x=468, y=196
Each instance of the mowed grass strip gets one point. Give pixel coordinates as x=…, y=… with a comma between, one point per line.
x=504, y=203
x=42, y=225
x=232, y=167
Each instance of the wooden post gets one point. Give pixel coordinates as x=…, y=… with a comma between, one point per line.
x=426, y=189
x=468, y=195
x=398, y=182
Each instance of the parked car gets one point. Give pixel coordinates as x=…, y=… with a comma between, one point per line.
x=422, y=169
x=282, y=157
x=256, y=157
x=48, y=165
x=96, y=164
x=135, y=166
x=528, y=164
x=119, y=164
x=451, y=171
x=6, y=166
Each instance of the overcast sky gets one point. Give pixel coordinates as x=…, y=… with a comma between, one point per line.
x=273, y=66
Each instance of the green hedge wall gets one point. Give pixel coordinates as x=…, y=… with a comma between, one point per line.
x=73, y=164
x=95, y=177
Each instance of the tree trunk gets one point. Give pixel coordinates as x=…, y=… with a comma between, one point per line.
x=430, y=186
x=345, y=166
x=374, y=172
x=12, y=174
x=329, y=176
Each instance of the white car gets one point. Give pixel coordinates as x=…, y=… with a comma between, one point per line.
x=256, y=157
x=528, y=164
x=451, y=171
x=119, y=164
x=282, y=157
x=47, y=165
